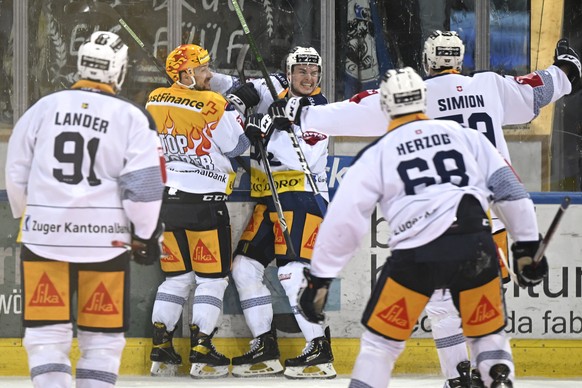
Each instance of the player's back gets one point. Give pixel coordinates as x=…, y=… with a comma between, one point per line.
x=84, y=163
x=430, y=165
x=473, y=101
x=80, y=149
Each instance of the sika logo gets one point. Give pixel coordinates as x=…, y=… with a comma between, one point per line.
x=202, y=254
x=45, y=294
x=396, y=315
x=168, y=256
x=484, y=312
x=251, y=225
x=311, y=241
x=279, y=240
x=100, y=302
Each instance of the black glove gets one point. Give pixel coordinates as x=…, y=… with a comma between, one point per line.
x=293, y=108
x=258, y=127
x=147, y=252
x=312, y=298
x=244, y=97
x=566, y=56
x=528, y=273
x=278, y=115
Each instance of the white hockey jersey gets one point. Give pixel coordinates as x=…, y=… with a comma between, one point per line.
x=283, y=158
x=418, y=173
x=82, y=165
x=485, y=101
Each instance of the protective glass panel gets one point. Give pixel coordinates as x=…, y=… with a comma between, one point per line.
x=275, y=26
x=6, y=56
x=57, y=28
x=566, y=163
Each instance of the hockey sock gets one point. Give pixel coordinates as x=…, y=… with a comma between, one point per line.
x=170, y=299
x=98, y=366
x=375, y=361
x=207, y=304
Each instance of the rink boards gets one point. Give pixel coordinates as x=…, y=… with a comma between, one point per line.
x=545, y=324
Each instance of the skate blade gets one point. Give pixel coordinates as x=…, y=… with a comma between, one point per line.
x=160, y=369
x=205, y=371
x=269, y=367
x=320, y=371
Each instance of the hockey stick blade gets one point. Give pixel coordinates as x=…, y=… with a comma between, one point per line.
x=551, y=230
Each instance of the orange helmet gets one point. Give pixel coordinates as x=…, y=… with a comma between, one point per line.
x=184, y=57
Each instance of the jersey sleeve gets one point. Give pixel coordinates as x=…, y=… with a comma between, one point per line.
x=140, y=182
x=223, y=83
x=19, y=158
x=510, y=200
x=529, y=93
x=229, y=133
x=347, y=219
x=359, y=116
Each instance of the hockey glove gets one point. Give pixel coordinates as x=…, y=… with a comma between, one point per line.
x=244, y=97
x=147, y=252
x=278, y=115
x=528, y=273
x=293, y=108
x=566, y=56
x=312, y=297
x=258, y=127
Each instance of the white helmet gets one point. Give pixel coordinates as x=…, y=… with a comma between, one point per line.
x=303, y=56
x=443, y=50
x=402, y=91
x=103, y=59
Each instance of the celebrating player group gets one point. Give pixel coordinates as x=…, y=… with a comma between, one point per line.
x=154, y=182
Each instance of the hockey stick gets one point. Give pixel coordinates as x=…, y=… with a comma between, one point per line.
x=321, y=203
x=131, y=246
x=551, y=230
x=274, y=194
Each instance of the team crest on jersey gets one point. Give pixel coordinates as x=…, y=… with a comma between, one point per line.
x=312, y=137
x=418, y=131
x=396, y=315
x=532, y=79
x=202, y=254
x=46, y=294
x=100, y=302
x=459, y=88
x=483, y=313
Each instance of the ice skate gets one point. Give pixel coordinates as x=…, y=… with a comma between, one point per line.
x=315, y=362
x=165, y=360
x=476, y=381
x=500, y=375
x=206, y=361
x=464, y=379
x=262, y=359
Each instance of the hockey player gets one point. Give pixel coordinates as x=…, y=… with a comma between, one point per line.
x=262, y=240
x=440, y=237
x=83, y=171
x=199, y=132
x=484, y=101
